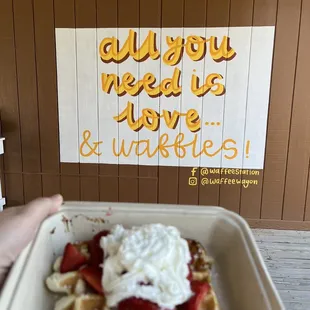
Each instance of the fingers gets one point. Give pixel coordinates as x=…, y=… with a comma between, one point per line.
x=57, y=201
x=40, y=208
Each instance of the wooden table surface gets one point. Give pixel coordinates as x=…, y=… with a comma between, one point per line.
x=287, y=255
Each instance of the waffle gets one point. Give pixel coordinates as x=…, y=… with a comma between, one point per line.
x=200, y=267
x=201, y=264
x=79, y=297
x=82, y=302
x=89, y=302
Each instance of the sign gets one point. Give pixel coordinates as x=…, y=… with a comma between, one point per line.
x=188, y=97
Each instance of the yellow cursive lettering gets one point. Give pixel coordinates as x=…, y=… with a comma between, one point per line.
x=178, y=147
x=110, y=51
x=128, y=85
x=85, y=144
x=211, y=85
x=150, y=119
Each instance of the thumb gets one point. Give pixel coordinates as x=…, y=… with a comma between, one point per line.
x=41, y=208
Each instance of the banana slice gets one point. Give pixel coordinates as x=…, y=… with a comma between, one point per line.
x=62, y=282
x=80, y=287
x=57, y=263
x=89, y=302
x=65, y=303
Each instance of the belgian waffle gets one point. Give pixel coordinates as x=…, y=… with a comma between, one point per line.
x=200, y=267
x=79, y=297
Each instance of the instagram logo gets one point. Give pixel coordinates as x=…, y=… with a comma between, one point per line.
x=192, y=181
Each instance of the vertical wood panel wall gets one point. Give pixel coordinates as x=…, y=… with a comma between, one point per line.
x=29, y=113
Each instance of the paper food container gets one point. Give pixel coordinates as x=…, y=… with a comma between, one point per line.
x=240, y=278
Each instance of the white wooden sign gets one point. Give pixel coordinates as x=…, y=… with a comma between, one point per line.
x=164, y=96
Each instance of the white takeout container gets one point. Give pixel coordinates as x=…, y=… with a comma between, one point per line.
x=240, y=278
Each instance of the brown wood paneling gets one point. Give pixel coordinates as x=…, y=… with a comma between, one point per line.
x=2, y=183
x=89, y=184
x=50, y=184
x=218, y=15
x=108, y=182
x=283, y=77
x=86, y=16
x=2, y=179
x=299, y=141
x=279, y=224
x=150, y=13
x=14, y=189
x=174, y=22
x=264, y=14
x=148, y=184
x=27, y=94
x=168, y=177
x=307, y=209
x=128, y=16
x=10, y=124
x=195, y=13
x=107, y=16
x=47, y=94
x=240, y=13
x=70, y=183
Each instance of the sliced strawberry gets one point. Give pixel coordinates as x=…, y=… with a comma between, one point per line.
x=93, y=277
x=200, y=287
x=100, y=234
x=96, y=253
x=190, y=275
x=134, y=303
x=190, y=272
x=200, y=290
x=72, y=259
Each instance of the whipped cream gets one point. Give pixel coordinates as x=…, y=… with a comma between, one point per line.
x=153, y=254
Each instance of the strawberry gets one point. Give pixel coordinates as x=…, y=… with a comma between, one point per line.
x=199, y=287
x=190, y=276
x=72, y=260
x=93, y=277
x=96, y=253
x=190, y=273
x=100, y=234
x=200, y=290
x=134, y=303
